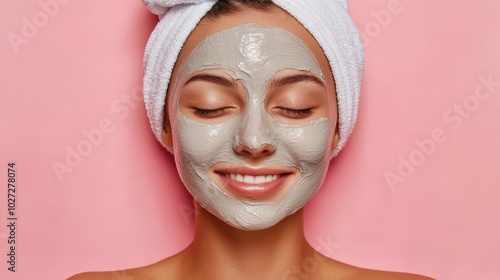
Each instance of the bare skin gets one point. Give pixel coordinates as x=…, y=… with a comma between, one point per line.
x=220, y=251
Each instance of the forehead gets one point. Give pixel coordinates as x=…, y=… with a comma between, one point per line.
x=251, y=50
x=275, y=17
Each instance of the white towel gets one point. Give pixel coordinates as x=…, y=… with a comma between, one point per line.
x=327, y=20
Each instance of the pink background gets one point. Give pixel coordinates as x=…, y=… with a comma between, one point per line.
x=79, y=70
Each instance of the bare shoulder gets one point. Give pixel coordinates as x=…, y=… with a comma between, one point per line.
x=108, y=275
x=349, y=272
x=129, y=274
x=388, y=275
x=159, y=270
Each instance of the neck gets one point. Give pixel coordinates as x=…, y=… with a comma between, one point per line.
x=220, y=251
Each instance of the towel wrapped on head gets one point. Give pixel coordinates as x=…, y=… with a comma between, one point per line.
x=328, y=22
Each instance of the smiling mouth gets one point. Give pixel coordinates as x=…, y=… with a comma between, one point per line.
x=249, y=179
x=255, y=186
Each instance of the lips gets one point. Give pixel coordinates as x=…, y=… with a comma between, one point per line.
x=249, y=179
x=253, y=183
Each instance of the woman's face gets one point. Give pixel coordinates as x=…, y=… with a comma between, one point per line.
x=251, y=117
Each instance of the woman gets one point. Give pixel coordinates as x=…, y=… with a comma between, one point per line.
x=253, y=115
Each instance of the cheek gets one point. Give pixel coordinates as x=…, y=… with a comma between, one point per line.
x=306, y=146
x=201, y=143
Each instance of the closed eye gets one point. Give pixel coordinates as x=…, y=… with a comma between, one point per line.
x=209, y=113
x=293, y=112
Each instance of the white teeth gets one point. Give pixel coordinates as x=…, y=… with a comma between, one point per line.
x=239, y=178
x=249, y=179
x=260, y=179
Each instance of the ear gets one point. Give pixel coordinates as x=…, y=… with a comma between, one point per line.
x=336, y=136
x=336, y=139
x=166, y=136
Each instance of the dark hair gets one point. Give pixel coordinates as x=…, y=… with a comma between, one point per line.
x=224, y=7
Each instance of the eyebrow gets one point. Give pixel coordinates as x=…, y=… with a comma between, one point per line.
x=214, y=79
x=275, y=82
x=292, y=79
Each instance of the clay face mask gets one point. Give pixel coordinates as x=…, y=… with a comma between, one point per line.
x=220, y=179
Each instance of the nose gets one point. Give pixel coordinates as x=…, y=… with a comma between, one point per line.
x=247, y=152
x=253, y=140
